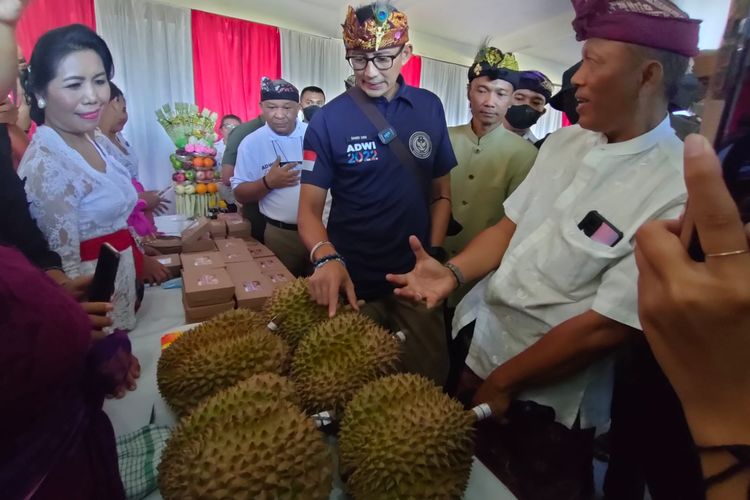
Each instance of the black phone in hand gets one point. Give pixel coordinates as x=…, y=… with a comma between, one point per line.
x=103, y=285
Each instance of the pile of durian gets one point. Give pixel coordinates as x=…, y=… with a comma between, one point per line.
x=248, y=386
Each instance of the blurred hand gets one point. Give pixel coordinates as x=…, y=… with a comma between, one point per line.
x=429, y=281
x=10, y=10
x=154, y=272
x=8, y=112
x=98, y=318
x=696, y=316
x=154, y=202
x=327, y=281
x=281, y=177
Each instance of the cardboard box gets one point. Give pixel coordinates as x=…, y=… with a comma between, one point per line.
x=231, y=243
x=251, y=288
x=239, y=229
x=260, y=251
x=205, y=287
x=268, y=264
x=229, y=216
x=202, y=260
x=197, y=237
x=204, y=313
x=172, y=262
x=233, y=253
x=166, y=244
x=218, y=229
x=203, y=244
x=279, y=277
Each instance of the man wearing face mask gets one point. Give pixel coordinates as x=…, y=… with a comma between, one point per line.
x=532, y=93
x=312, y=99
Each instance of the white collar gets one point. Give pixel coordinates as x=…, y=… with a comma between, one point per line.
x=641, y=143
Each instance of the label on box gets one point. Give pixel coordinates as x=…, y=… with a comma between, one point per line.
x=203, y=261
x=266, y=263
x=278, y=278
x=208, y=280
x=252, y=286
x=164, y=262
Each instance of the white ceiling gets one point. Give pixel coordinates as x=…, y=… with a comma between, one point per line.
x=452, y=30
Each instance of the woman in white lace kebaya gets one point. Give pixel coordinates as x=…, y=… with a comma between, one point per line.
x=79, y=194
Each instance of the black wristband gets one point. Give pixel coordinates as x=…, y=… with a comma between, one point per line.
x=328, y=258
x=265, y=183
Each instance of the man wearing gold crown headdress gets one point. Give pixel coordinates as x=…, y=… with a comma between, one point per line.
x=380, y=196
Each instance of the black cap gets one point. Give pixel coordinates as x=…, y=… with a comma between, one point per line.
x=567, y=86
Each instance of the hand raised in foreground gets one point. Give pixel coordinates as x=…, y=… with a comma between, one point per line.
x=696, y=316
x=429, y=282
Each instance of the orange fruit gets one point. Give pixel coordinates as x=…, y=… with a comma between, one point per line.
x=198, y=162
x=209, y=162
x=212, y=188
x=200, y=189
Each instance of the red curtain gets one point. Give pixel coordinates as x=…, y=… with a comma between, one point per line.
x=41, y=16
x=412, y=71
x=229, y=58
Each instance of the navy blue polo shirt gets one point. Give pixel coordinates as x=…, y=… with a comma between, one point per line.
x=377, y=201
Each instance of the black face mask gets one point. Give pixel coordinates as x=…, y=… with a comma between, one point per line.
x=522, y=117
x=310, y=111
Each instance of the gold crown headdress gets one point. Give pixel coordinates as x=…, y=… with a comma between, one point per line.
x=375, y=27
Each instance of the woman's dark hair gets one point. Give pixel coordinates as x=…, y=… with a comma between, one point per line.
x=114, y=91
x=51, y=48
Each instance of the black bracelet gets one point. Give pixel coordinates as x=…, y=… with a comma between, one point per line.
x=328, y=258
x=265, y=183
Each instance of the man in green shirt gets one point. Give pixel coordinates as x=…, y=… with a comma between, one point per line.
x=249, y=210
x=492, y=161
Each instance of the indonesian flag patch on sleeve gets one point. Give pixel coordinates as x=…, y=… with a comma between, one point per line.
x=308, y=160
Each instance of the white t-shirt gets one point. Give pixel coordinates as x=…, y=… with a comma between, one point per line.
x=552, y=271
x=220, y=147
x=529, y=136
x=257, y=152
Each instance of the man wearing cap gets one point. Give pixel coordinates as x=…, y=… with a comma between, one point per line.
x=267, y=172
x=559, y=287
x=530, y=97
x=492, y=161
x=380, y=195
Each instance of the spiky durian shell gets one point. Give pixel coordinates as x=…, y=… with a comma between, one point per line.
x=293, y=311
x=206, y=360
x=247, y=442
x=402, y=437
x=338, y=357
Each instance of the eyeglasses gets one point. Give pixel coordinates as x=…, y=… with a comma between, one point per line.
x=381, y=62
x=229, y=126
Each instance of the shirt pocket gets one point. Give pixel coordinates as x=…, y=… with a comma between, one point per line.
x=571, y=262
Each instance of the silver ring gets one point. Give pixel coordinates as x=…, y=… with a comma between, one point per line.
x=727, y=254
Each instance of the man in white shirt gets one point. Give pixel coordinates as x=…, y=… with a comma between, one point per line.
x=267, y=171
x=559, y=292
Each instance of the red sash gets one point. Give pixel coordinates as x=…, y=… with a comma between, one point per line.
x=121, y=240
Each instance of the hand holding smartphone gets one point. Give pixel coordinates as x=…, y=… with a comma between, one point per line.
x=103, y=285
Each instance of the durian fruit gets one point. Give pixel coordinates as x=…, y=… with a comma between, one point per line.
x=206, y=360
x=339, y=356
x=247, y=442
x=293, y=312
x=225, y=325
x=402, y=437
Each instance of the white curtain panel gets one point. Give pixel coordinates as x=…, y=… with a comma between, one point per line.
x=448, y=81
x=152, y=49
x=314, y=60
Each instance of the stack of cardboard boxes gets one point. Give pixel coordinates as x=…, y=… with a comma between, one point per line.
x=223, y=267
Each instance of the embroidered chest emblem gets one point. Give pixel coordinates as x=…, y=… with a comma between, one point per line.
x=420, y=145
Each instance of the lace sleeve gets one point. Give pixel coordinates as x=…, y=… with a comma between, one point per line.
x=54, y=194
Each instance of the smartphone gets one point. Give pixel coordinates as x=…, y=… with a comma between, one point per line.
x=599, y=229
x=103, y=285
x=726, y=120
